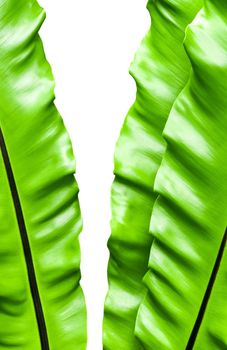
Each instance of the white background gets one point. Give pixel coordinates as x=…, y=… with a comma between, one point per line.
x=90, y=45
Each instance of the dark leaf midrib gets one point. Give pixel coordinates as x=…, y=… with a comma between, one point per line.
x=207, y=295
x=26, y=247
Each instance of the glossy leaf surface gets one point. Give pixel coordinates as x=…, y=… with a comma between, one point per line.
x=42, y=165
x=190, y=215
x=212, y=334
x=160, y=69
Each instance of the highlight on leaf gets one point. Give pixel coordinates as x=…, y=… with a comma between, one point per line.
x=161, y=69
x=41, y=302
x=185, y=304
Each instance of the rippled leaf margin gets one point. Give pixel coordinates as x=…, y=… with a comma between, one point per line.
x=41, y=302
x=161, y=69
x=189, y=217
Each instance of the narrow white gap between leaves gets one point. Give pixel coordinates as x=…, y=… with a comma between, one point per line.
x=90, y=45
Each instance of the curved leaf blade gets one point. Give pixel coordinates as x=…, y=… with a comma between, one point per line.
x=160, y=69
x=42, y=163
x=189, y=217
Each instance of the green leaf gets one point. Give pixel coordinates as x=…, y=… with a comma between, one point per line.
x=41, y=302
x=190, y=216
x=161, y=69
x=212, y=332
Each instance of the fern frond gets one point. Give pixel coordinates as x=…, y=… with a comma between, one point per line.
x=190, y=215
x=41, y=302
x=161, y=69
